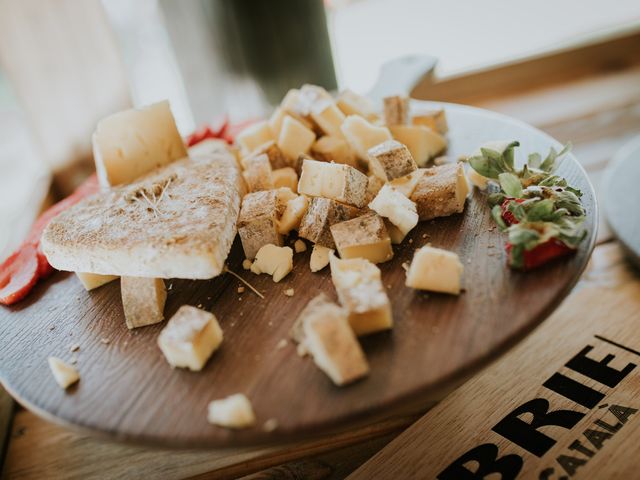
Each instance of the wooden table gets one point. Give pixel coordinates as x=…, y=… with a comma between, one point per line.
x=599, y=114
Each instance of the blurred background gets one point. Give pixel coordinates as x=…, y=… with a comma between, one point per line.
x=66, y=64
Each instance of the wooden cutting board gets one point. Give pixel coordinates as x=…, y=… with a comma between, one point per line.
x=128, y=391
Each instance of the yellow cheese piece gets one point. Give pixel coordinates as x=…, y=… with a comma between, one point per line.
x=295, y=139
x=128, y=144
x=353, y=104
x=407, y=184
x=319, y=257
x=363, y=237
x=329, y=118
x=293, y=214
x=190, y=337
x=333, y=149
x=234, y=411
x=391, y=159
x=93, y=280
x=285, y=177
x=334, y=181
x=435, y=270
x=359, y=286
x=363, y=135
x=396, y=207
x=64, y=374
x=254, y=136
x=143, y=300
x=436, y=120
x=441, y=191
x=299, y=246
x=423, y=142
x=273, y=260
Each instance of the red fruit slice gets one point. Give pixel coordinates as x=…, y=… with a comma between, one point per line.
x=543, y=253
x=508, y=217
x=207, y=132
x=19, y=275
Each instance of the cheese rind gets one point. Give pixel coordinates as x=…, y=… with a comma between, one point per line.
x=423, y=142
x=273, y=260
x=321, y=214
x=258, y=174
x=332, y=343
x=254, y=136
x=319, y=257
x=143, y=300
x=435, y=270
x=273, y=153
x=390, y=160
x=294, y=138
x=258, y=221
x=64, y=374
x=363, y=237
x=91, y=281
x=333, y=180
x=396, y=110
x=441, y=191
x=363, y=135
x=392, y=204
x=359, y=286
x=129, y=144
x=190, y=337
x=234, y=411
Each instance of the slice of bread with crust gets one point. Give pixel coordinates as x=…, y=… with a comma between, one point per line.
x=176, y=222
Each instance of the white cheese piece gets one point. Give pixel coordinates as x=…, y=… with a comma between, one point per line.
x=319, y=257
x=234, y=411
x=294, y=139
x=359, y=286
x=143, y=300
x=93, y=280
x=293, y=214
x=333, y=149
x=273, y=260
x=254, y=136
x=190, y=337
x=299, y=246
x=353, y=104
x=390, y=160
x=128, y=144
x=64, y=374
x=436, y=120
x=396, y=110
x=285, y=177
x=363, y=237
x=393, y=205
x=258, y=221
x=407, y=184
x=363, y=135
x=273, y=153
x=332, y=343
x=477, y=180
x=258, y=174
x=441, y=191
x=435, y=270
x=333, y=180
x=423, y=142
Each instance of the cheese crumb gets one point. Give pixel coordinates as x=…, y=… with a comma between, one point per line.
x=234, y=411
x=282, y=344
x=63, y=373
x=246, y=264
x=436, y=270
x=299, y=246
x=273, y=260
x=241, y=289
x=270, y=425
x=289, y=292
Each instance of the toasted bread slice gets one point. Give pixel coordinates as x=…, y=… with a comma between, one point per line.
x=176, y=222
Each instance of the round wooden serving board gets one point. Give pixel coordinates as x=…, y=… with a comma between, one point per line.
x=127, y=390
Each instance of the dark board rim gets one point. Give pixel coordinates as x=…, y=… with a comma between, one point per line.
x=364, y=416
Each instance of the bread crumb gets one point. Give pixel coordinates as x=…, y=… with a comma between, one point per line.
x=302, y=350
x=241, y=289
x=289, y=292
x=270, y=425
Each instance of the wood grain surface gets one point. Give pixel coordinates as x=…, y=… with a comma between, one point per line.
x=129, y=392
x=602, y=314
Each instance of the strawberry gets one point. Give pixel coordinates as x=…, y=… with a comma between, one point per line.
x=508, y=217
x=540, y=254
x=206, y=132
x=19, y=273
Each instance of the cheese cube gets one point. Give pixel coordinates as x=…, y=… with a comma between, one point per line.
x=333, y=149
x=407, y=184
x=329, y=118
x=374, y=184
x=273, y=260
x=353, y=104
x=358, y=283
x=319, y=257
x=396, y=207
x=390, y=160
x=235, y=411
x=321, y=214
x=395, y=234
x=128, y=144
x=293, y=214
x=441, y=191
x=332, y=343
x=93, y=280
x=258, y=174
x=363, y=135
x=333, y=180
x=436, y=270
x=294, y=138
x=190, y=337
x=396, y=110
x=273, y=153
x=254, y=135
x=64, y=374
x=285, y=177
x=258, y=221
x=477, y=180
x=143, y=300
x=363, y=237
x=299, y=246
x=423, y=143
x=436, y=120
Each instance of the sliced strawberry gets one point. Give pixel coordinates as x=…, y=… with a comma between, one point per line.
x=19, y=275
x=207, y=132
x=234, y=129
x=508, y=217
x=542, y=253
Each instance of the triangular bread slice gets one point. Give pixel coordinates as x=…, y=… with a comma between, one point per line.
x=176, y=222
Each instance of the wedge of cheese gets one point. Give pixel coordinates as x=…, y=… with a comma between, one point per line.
x=143, y=300
x=390, y=160
x=363, y=237
x=92, y=280
x=234, y=411
x=392, y=204
x=293, y=214
x=129, y=144
x=441, y=191
x=423, y=142
x=258, y=222
x=435, y=270
x=333, y=180
x=358, y=283
x=333, y=149
x=254, y=136
x=295, y=138
x=64, y=374
x=321, y=214
x=363, y=135
x=436, y=120
x=353, y=104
